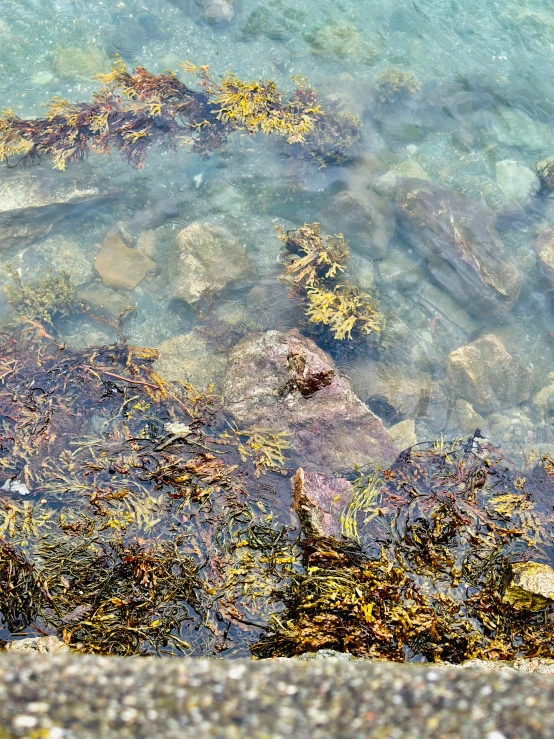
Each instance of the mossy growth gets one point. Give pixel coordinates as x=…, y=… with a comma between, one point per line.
x=393, y=85
x=314, y=267
x=545, y=173
x=440, y=535
x=52, y=296
x=135, y=110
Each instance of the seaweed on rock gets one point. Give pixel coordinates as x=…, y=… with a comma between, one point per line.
x=135, y=110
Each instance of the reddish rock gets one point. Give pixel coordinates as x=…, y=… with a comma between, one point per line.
x=318, y=501
x=286, y=382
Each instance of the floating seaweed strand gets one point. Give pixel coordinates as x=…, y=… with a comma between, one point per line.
x=136, y=110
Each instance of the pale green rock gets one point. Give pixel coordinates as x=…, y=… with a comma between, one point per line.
x=531, y=586
x=189, y=358
x=403, y=434
x=515, y=128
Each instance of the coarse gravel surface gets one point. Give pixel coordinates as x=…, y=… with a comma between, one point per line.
x=76, y=697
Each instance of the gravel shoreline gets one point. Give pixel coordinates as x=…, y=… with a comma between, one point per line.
x=75, y=696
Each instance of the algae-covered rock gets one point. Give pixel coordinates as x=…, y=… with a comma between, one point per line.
x=32, y=201
x=487, y=376
x=189, y=358
x=273, y=19
x=63, y=254
x=208, y=259
x=80, y=64
x=285, y=382
x=121, y=267
x=342, y=40
x=458, y=238
x=531, y=586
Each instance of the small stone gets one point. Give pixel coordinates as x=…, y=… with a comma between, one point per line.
x=146, y=243
x=403, y=434
x=543, y=401
x=80, y=64
x=189, y=358
x=121, y=267
x=209, y=258
x=531, y=586
x=468, y=420
x=487, y=376
x=318, y=501
x=43, y=644
x=516, y=181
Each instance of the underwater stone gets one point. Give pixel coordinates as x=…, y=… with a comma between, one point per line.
x=364, y=218
x=531, y=586
x=398, y=269
x=543, y=401
x=287, y=383
x=516, y=181
x=318, y=501
x=486, y=375
x=121, y=267
x=468, y=420
x=216, y=11
x=408, y=169
x=209, y=258
x=106, y=300
x=514, y=127
x=80, y=64
x=62, y=254
x=459, y=240
x=397, y=392
x=544, y=246
x=32, y=201
x=403, y=434
x=189, y=358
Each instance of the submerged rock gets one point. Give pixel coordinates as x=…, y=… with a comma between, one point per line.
x=217, y=11
x=364, y=219
x=285, y=382
x=517, y=182
x=543, y=401
x=63, y=254
x=398, y=392
x=487, y=376
x=403, y=434
x=32, y=201
x=544, y=246
x=318, y=501
x=105, y=300
x=121, y=267
x=463, y=251
x=80, y=64
x=189, y=358
x=209, y=258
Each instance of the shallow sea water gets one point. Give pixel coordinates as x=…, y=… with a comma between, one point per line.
x=480, y=118
x=485, y=97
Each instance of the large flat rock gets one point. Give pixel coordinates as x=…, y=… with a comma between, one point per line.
x=33, y=200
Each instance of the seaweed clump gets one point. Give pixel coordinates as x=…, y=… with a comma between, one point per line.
x=314, y=264
x=450, y=526
x=135, y=110
x=129, y=524
x=545, y=173
x=52, y=296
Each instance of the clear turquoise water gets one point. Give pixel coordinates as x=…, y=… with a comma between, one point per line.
x=486, y=72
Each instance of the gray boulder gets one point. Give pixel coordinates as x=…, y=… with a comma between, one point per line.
x=458, y=238
x=32, y=201
x=285, y=382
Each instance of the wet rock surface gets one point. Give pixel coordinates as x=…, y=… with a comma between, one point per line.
x=318, y=501
x=208, y=259
x=531, y=586
x=458, y=238
x=285, y=382
x=486, y=375
x=32, y=201
x=544, y=246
